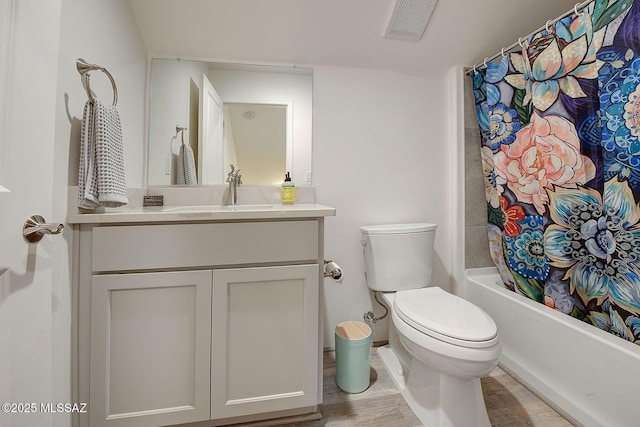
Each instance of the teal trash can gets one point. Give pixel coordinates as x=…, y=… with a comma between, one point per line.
x=353, y=356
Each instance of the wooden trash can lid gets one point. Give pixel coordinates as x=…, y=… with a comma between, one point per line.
x=352, y=330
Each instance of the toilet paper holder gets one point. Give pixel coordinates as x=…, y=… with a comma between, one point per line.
x=333, y=271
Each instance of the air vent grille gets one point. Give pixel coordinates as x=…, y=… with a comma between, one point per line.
x=409, y=19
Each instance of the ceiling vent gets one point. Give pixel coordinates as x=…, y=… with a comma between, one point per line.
x=409, y=19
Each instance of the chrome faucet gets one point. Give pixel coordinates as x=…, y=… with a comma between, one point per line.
x=234, y=179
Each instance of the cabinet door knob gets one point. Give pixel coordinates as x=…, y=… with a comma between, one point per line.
x=36, y=226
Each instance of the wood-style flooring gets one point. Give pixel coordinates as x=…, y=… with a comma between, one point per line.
x=509, y=403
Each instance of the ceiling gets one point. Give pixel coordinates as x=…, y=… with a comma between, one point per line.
x=345, y=33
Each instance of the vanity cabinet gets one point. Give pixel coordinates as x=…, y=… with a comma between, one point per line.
x=216, y=322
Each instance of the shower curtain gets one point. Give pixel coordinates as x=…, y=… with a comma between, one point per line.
x=560, y=129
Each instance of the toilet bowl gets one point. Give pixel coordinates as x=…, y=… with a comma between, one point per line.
x=441, y=381
x=440, y=345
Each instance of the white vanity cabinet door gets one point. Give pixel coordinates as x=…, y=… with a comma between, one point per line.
x=264, y=340
x=150, y=348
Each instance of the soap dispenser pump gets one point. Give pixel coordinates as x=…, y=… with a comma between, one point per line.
x=288, y=190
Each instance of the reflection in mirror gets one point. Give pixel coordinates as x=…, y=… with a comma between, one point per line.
x=255, y=138
x=255, y=117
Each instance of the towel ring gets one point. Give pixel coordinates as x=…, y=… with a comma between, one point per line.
x=180, y=129
x=92, y=94
x=84, y=68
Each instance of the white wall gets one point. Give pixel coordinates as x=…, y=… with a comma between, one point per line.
x=379, y=156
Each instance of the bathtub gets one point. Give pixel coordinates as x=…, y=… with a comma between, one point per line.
x=588, y=375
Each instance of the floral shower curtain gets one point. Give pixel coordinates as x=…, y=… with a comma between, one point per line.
x=560, y=130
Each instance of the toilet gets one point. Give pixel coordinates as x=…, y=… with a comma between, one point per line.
x=439, y=344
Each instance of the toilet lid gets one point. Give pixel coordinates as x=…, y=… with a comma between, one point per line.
x=445, y=316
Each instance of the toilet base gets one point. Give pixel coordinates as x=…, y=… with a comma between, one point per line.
x=437, y=399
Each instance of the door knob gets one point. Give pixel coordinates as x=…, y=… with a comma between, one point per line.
x=36, y=226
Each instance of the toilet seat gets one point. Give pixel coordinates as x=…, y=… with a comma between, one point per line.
x=446, y=317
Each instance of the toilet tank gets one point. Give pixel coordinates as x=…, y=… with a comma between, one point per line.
x=398, y=256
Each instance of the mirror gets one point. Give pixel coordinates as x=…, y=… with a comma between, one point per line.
x=256, y=117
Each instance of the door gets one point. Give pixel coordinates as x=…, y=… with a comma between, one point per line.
x=210, y=146
x=150, y=348
x=34, y=330
x=264, y=340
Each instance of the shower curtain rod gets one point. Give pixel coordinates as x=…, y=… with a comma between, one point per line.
x=576, y=9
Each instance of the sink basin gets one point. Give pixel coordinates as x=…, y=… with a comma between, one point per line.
x=216, y=208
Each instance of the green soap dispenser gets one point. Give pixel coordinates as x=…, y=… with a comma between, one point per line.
x=288, y=190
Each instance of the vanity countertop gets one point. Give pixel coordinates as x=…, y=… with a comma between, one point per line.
x=203, y=213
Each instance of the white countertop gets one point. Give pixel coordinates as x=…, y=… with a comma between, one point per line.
x=203, y=213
